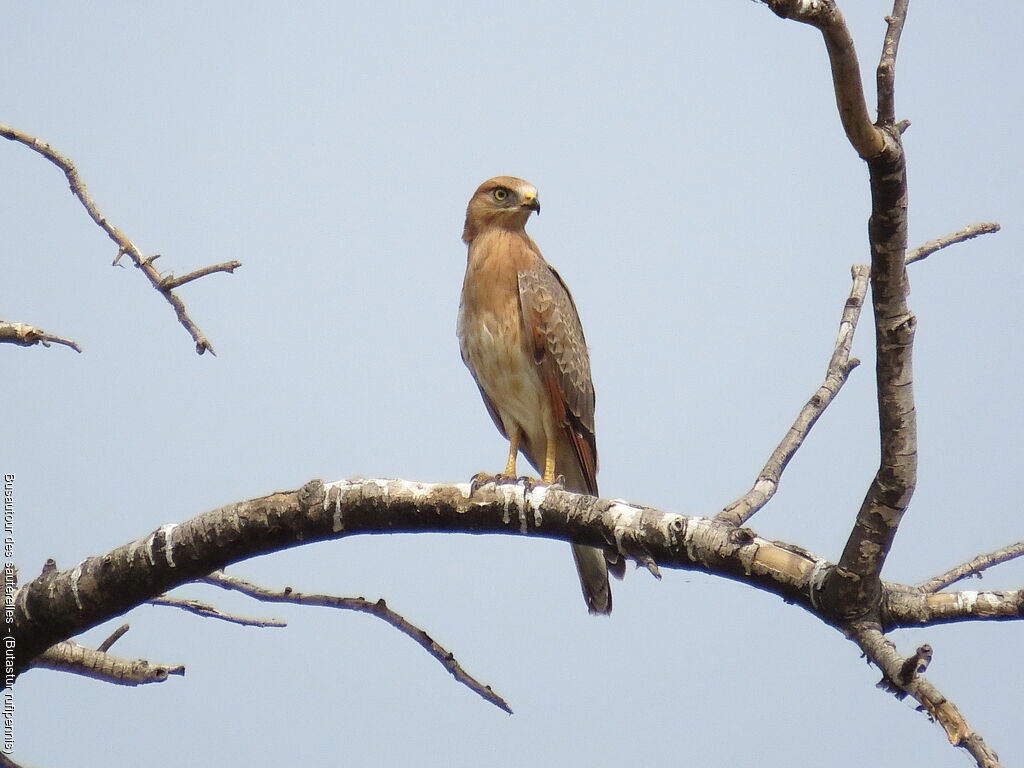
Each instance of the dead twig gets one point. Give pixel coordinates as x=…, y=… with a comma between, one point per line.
x=124, y=245
x=116, y=635
x=974, y=567
x=378, y=609
x=967, y=233
x=839, y=368
x=26, y=336
x=212, y=612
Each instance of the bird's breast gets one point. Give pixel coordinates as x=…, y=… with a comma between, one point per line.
x=491, y=337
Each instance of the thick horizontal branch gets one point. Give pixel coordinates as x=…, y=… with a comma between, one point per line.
x=57, y=605
x=27, y=336
x=376, y=608
x=124, y=245
x=914, y=607
x=839, y=368
x=69, y=656
x=60, y=604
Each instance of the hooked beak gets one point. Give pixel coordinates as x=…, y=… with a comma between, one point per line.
x=531, y=202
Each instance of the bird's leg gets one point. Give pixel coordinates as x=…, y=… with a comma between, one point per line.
x=549, y=465
x=509, y=475
x=513, y=453
x=549, y=461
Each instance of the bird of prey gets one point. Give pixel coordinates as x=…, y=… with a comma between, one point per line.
x=521, y=338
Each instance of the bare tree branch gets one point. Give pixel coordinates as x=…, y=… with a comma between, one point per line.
x=116, y=635
x=885, y=76
x=67, y=602
x=169, y=282
x=839, y=368
x=212, y=612
x=854, y=588
x=124, y=245
x=376, y=608
x=974, y=567
x=879, y=649
x=967, y=233
x=913, y=607
x=69, y=656
x=27, y=336
x=866, y=139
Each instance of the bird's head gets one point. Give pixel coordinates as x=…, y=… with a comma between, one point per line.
x=504, y=202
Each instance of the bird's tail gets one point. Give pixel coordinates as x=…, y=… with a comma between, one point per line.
x=593, y=571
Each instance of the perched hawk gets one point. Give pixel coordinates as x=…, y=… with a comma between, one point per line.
x=522, y=340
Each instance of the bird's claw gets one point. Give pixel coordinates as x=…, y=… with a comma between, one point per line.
x=480, y=479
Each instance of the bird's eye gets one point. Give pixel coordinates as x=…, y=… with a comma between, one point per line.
x=500, y=194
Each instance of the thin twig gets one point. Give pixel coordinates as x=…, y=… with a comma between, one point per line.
x=170, y=282
x=974, y=567
x=378, y=609
x=212, y=612
x=124, y=245
x=967, y=233
x=885, y=76
x=116, y=635
x=839, y=368
x=26, y=336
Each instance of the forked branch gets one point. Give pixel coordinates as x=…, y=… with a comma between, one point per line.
x=165, y=286
x=376, y=608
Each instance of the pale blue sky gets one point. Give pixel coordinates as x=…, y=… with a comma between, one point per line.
x=703, y=205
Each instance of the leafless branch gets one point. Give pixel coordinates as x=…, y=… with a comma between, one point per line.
x=866, y=139
x=124, y=245
x=974, y=567
x=67, y=602
x=69, y=656
x=854, y=588
x=116, y=635
x=212, y=612
x=27, y=336
x=913, y=607
x=967, y=233
x=880, y=650
x=839, y=368
x=885, y=76
x=376, y=608
x=170, y=282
